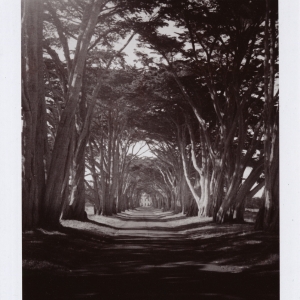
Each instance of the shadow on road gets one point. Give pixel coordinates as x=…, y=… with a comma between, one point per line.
x=71, y=264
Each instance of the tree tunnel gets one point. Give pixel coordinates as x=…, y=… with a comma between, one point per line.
x=197, y=84
x=150, y=149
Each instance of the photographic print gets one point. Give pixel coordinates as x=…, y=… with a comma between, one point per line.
x=150, y=149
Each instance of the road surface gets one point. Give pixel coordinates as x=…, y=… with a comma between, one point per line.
x=149, y=254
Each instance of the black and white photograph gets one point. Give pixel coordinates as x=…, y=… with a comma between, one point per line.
x=150, y=162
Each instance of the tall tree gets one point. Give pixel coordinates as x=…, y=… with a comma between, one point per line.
x=59, y=166
x=34, y=138
x=268, y=216
x=224, y=50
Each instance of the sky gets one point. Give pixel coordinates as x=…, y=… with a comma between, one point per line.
x=141, y=149
x=130, y=49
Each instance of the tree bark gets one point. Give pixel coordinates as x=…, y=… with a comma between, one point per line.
x=34, y=138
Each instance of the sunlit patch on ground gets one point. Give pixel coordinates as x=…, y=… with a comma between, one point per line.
x=50, y=232
x=42, y=265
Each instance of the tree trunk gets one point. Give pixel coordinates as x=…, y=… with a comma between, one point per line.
x=218, y=191
x=245, y=192
x=34, y=138
x=53, y=198
x=202, y=170
x=185, y=167
x=268, y=216
x=96, y=189
x=205, y=195
x=67, y=168
x=102, y=174
x=108, y=206
x=75, y=208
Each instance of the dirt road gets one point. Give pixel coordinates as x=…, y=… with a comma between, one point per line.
x=150, y=254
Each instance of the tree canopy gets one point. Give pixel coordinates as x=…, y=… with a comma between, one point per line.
x=203, y=99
